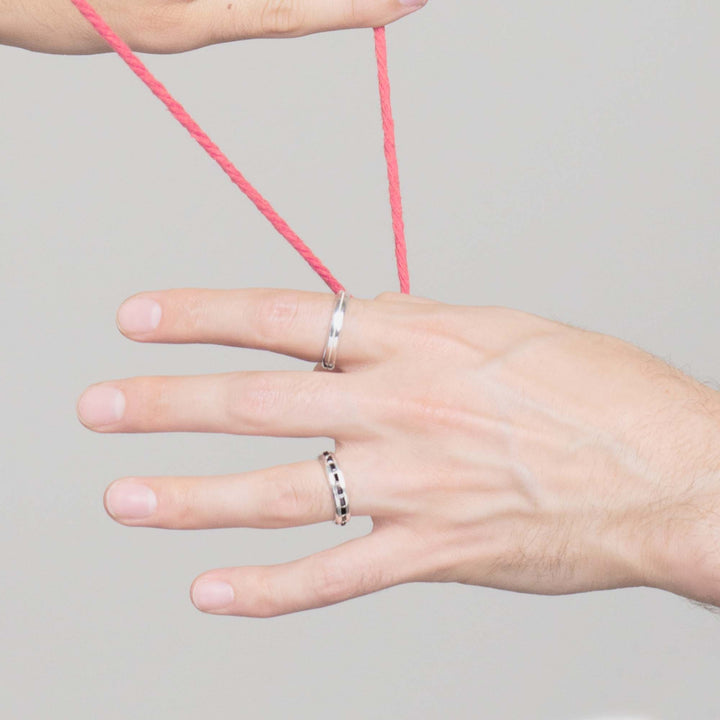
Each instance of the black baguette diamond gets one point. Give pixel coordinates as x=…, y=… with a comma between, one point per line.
x=337, y=486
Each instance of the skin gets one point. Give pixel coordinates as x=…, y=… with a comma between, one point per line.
x=489, y=446
x=169, y=26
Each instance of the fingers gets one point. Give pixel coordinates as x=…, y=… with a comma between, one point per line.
x=291, y=18
x=357, y=567
x=277, y=497
x=284, y=321
x=285, y=404
x=396, y=297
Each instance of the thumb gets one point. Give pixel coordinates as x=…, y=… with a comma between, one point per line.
x=240, y=19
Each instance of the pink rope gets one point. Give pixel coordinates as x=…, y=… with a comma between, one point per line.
x=391, y=161
x=182, y=116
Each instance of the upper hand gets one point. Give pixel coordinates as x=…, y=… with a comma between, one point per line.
x=165, y=26
x=489, y=446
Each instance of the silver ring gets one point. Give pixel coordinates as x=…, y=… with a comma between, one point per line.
x=337, y=485
x=336, y=322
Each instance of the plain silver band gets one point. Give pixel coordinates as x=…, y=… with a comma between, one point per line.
x=337, y=485
x=336, y=322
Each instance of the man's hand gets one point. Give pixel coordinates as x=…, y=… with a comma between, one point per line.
x=490, y=447
x=167, y=26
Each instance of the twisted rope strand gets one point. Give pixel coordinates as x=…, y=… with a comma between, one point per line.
x=182, y=116
x=391, y=161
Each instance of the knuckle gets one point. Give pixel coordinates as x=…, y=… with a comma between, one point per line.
x=194, y=313
x=281, y=17
x=333, y=582
x=155, y=393
x=284, y=503
x=276, y=316
x=261, y=396
x=252, y=400
x=264, y=601
x=388, y=296
x=337, y=580
x=183, y=505
x=437, y=408
x=158, y=27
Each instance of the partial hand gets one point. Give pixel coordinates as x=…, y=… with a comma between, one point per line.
x=489, y=447
x=168, y=26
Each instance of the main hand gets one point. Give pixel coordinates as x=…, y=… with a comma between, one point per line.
x=167, y=26
x=489, y=447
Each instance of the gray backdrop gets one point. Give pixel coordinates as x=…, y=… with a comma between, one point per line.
x=559, y=157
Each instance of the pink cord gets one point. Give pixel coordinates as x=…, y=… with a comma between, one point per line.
x=182, y=116
x=391, y=160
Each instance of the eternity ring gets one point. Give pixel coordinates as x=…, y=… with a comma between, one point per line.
x=336, y=322
x=337, y=486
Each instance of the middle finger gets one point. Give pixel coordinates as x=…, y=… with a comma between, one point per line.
x=282, y=404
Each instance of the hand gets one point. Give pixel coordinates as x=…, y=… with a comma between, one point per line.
x=489, y=446
x=168, y=26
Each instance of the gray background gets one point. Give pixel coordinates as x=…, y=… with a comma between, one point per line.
x=559, y=157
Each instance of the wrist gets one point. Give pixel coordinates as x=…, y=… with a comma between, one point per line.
x=682, y=554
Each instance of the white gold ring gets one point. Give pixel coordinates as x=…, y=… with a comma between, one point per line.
x=337, y=486
x=329, y=357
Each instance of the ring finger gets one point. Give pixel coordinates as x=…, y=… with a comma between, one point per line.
x=277, y=497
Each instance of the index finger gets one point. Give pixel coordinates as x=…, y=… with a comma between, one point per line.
x=290, y=322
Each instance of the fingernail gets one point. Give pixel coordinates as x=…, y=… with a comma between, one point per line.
x=139, y=315
x=413, y=3
x=101, y=405
x=130, y=500
x=212, y=595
